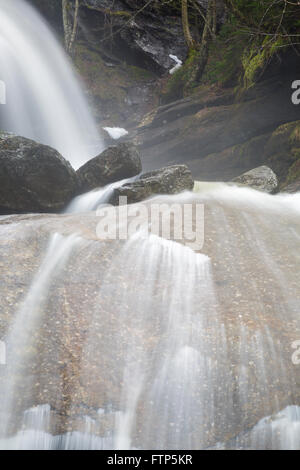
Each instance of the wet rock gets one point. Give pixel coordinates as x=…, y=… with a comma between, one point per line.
x=212, y=131
x=99, y=308
x=170, y=180
x=33, y=177
x=292, y=187
x=146, y=40
x=261, y=178
x=114, y=164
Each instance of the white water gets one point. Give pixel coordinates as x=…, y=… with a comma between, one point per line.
x=194, y=349
x=90, y=201
x=161, y=314
x=44, y=100
x=34, y=435
x=20, y=339
x=182, y=349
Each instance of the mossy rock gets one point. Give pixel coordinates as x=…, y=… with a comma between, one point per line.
x=175, y=87
x=283, y=152
x=256, y=59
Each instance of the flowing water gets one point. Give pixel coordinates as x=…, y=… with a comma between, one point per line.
x=20, y=338
x=157, y=346
x=93, y=199
x=144, y=343
x=44, y=100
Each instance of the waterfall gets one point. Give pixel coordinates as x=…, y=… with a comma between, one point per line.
x=44, y=100
x=144, y=343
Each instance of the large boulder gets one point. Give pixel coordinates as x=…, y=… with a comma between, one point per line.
x=33, y=177
x=114, y=164
x=170, y=180
x=261, y=178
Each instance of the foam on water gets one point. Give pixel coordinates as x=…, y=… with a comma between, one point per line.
x=247, y=197
x=34, y=435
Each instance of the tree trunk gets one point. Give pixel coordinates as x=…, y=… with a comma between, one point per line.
x=75, y=25
x=186, y=26
x=203, y=52
x=70, y=24
x=214, y=20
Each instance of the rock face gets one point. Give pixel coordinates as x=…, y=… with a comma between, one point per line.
x=146, y=40
x=114, y=164
x=220, y=136
x=261, y=178
x=293, y=187
x=170, y=180
x=33, y=177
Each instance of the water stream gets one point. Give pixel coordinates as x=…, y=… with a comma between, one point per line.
x=143, y=343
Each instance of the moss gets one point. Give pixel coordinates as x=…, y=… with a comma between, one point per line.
x=252, y=65
x=256, y=58
x=282, y=151
x=106, y=11
x=139, y=75
x=224, y=67
x=120, y=13
x=225, y=58
x=295, y=135
x=176, y=84
x=293, y=173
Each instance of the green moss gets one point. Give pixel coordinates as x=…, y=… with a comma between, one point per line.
x=225, y=58
x=120, y=13
x=127, y=14
x=282, y=151
x=176, y=83
x=256, y=58
x=139, y=75
x=293, y=173
x=295, y=135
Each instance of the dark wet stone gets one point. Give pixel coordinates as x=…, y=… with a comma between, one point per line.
x=33, y=177
x=114, y=164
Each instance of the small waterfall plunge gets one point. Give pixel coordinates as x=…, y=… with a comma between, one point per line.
x=44, y=100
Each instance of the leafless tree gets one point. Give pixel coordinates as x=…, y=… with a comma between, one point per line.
x=70, y=22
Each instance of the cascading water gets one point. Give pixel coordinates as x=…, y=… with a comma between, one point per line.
x=162, y=347
x=146, y=343
x=93, y=199
x=43, y=96
x=20, y=339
